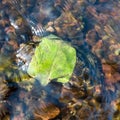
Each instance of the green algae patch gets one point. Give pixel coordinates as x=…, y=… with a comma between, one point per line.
x=54, y=59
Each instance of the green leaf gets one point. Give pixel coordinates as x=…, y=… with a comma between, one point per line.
x=53, y=59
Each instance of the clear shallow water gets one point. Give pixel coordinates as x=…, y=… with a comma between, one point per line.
x=92, y=28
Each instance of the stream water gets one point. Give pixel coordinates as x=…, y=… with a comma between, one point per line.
x=91, y=27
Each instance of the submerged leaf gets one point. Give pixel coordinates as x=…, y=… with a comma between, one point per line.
x=53, y=59
x=5, y=62
x=45, y=111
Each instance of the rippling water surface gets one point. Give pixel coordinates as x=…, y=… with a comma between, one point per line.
x=91, y=27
